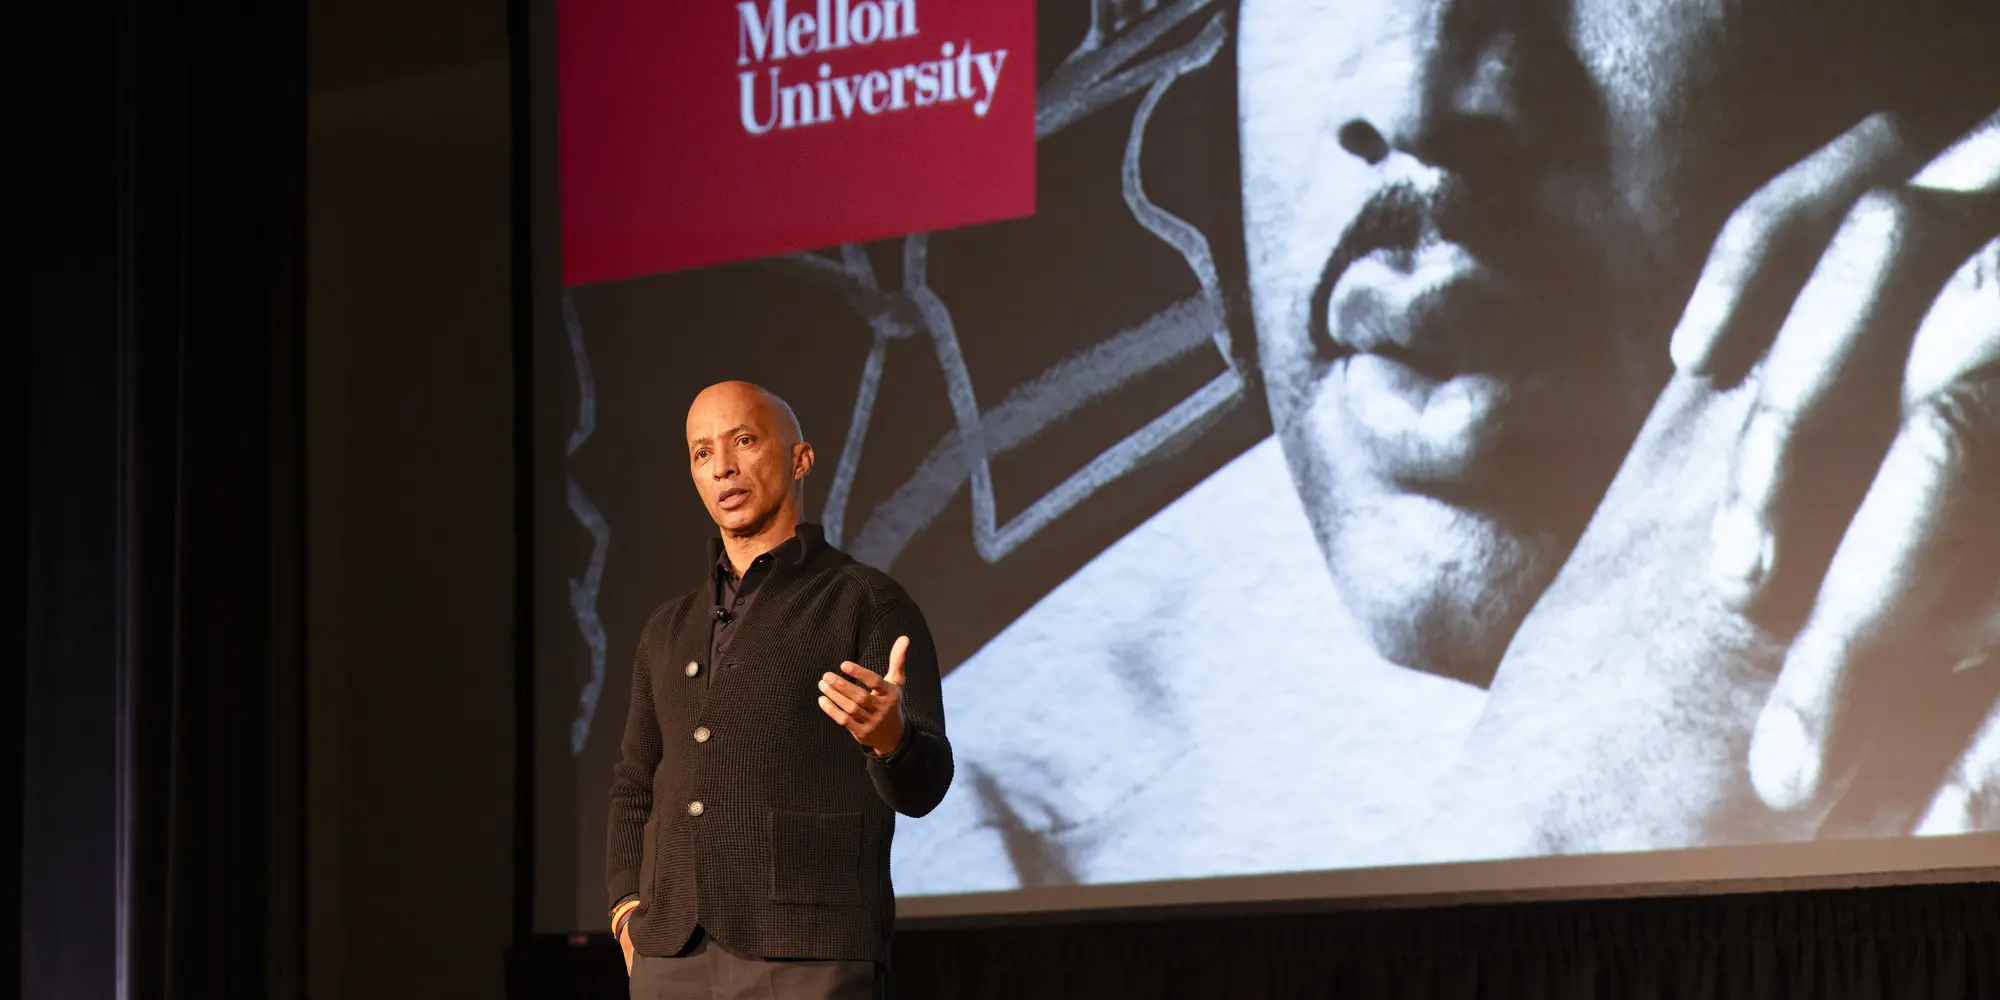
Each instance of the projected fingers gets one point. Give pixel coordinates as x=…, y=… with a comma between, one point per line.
x=1861, y=505
x=1915, y=583
x=1827, y=390
x=1827, y=394
x=1969, y=800
x=1768, y=246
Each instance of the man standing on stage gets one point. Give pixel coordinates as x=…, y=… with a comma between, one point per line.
x=782, y=712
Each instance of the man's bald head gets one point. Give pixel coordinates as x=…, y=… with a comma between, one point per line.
x=738, y=393
x=749, y=459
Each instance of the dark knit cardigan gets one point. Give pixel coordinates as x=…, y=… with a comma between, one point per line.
x=771, y=830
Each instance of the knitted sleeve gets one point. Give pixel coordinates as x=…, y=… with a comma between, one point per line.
x=632, y=778
x=914, y=778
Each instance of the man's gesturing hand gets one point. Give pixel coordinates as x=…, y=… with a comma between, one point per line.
x=870, y=705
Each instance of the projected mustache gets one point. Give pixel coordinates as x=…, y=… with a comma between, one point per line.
x=1398, y=218
x=1491, y=320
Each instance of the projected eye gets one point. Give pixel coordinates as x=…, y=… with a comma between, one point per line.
x=743, y=442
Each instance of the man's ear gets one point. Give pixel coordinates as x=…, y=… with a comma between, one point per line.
x=802, y=460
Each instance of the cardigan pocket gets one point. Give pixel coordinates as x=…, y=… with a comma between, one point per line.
x=816, y=858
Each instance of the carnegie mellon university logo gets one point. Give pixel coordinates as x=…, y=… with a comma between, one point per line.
x=770, y=36
x=696, y=133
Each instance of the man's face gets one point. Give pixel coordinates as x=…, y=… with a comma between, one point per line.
x=1470, y=229
x=744, y=456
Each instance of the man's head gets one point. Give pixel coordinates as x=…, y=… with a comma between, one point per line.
x=1470, y=228
x=748, y=458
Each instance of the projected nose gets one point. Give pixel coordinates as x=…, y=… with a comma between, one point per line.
x=1364, y=140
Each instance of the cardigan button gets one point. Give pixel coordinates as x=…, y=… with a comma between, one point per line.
x=694, y=808
x=701, y=735
x=693, y=668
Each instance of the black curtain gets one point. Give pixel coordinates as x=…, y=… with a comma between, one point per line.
x=1889, y=943
x=1935, y=943
x=161, y=744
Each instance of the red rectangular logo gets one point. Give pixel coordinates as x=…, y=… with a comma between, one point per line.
x=702, y=132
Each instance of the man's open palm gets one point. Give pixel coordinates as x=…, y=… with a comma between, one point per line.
x=867, y=704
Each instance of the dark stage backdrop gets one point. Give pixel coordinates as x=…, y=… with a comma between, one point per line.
x=159, y=717
x=1394, y=449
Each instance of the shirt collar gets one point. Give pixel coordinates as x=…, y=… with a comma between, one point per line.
x=794, y=551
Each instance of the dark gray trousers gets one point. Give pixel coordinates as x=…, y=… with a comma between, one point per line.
x=707, y=970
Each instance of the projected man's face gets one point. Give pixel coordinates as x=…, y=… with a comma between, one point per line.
x=1470, y=228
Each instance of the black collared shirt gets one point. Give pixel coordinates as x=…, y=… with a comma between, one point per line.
x=734, y=595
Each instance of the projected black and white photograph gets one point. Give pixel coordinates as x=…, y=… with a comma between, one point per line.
x=1404, y=433
x=1011, y=500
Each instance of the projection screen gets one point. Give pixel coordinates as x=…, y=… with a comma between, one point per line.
x=1341, y=448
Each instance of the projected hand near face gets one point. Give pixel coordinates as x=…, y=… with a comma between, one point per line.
x=1862, y=498
x=868, y=705
x=1470, y=228
x=1801, y=639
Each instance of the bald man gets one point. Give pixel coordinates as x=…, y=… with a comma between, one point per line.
x=783, y=711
